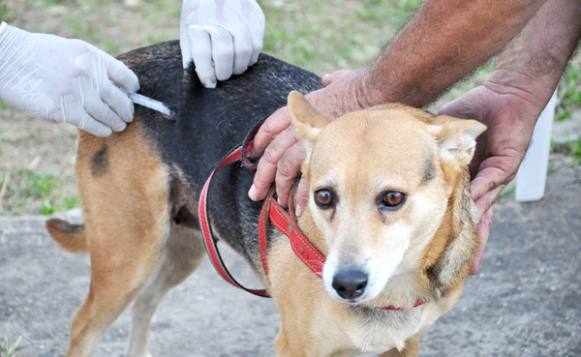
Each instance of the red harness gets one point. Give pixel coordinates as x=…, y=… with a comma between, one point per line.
x=271, y=212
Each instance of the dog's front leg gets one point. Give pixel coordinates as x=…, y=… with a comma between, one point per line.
x=293, y=339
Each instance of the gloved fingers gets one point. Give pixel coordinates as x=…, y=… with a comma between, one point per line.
x=101, y=67
x=185, y=47
x=121, y=75
x=256, y=23
x=118, y=101
x=222, y=51
x=85, y=122
x=101, y=112
x=256, y=49
x=242, y=52
x=245, y=48
x=201, y=48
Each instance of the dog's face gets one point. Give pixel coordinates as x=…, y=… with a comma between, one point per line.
x=378, y=191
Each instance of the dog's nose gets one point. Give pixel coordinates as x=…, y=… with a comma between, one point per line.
x=350, y=283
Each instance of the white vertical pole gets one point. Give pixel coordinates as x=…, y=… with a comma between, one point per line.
x=532, y=174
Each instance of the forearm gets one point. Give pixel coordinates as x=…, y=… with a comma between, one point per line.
x=533, y=63
x=446, y=40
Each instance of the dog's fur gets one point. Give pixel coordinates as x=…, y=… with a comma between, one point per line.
x=139, y=191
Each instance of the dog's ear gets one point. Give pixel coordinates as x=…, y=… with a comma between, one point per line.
x=456, y=137
x=307, y=121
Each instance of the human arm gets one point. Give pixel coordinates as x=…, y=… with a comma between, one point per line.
x=444, y=41
x=65, y=80
x=221, y=38
x=512, y=98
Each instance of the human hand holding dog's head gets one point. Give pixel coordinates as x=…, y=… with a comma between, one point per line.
x=510, y=120
x=276, y=141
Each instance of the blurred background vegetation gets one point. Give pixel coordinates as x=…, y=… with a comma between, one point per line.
x=37, y=157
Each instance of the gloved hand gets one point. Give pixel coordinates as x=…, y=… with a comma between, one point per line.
x=65, y=80
x=221, y=37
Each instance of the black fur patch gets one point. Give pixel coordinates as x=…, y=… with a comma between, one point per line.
x=65, y=226
x=209, y=123
x=429, y=170
x=100, y=161
x=185, y=218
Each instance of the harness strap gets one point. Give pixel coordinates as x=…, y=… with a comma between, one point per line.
x=272, y=212
x=209, y=241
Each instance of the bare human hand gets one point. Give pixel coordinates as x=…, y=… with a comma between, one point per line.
x=276, y=141
x=510, y=115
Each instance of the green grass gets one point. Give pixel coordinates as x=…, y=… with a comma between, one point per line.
x=4, y=12
x=569, y=91
x=571, y=148
x=331, y=35
x=9, y=347
x=36, y=193
x=507, y=192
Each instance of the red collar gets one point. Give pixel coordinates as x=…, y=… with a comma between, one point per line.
x=271, y=212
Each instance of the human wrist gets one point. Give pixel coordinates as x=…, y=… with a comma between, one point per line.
x=533, y=90
x=11, y=57
x=370, y=88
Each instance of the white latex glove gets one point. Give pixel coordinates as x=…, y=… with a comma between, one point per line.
x=65, y=80
x=221, y=37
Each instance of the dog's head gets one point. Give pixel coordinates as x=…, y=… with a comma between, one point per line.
x=381, y=182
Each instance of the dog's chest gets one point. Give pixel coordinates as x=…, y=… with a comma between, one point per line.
x=378, y=331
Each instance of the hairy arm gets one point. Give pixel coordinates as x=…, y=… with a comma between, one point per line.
x=444, y=41
x=532, y=64
x=510, y=101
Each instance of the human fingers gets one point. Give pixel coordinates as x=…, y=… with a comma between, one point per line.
x=267, y=165
x=333, y=76
x=287, y=170
x=486, y=201
x=487, y=179
x=274, y=125
x=256, y=23
x=483, y=229
x=101, y=112
x=201, y=52
x=242, y=49
x=121, y=75
x=301, y=196
x=118, y=101
x=222, y=51
x=85, y=122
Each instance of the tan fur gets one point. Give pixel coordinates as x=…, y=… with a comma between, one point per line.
x=313, y=323
x=70, y=237
x=138, y=254
x=128, y=235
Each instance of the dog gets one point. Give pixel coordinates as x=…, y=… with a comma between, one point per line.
x=389, y=207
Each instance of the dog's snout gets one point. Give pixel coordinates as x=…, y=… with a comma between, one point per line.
x=350, y=283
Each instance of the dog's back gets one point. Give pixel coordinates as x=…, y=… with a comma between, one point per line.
x=209, y=123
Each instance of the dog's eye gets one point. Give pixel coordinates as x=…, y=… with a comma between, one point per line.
x=391, y=200
x=324, y=198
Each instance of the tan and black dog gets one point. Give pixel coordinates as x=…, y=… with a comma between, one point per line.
x=389, y=207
